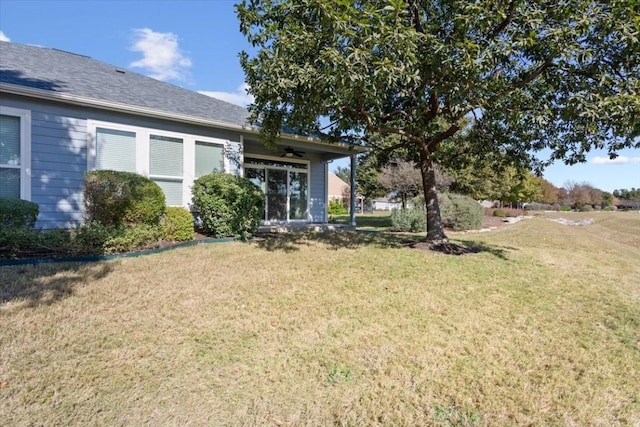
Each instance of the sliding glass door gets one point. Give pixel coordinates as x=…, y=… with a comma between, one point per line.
x=276, y=195
x=285, y=185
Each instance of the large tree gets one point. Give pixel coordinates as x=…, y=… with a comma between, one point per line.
x=528, y=75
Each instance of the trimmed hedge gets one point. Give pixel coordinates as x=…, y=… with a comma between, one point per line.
x=227, y=205
x=17, y=213
x=177, y=224
x=115, y=198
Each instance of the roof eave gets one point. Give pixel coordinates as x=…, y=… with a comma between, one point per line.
x=115, y=106
x=149, y=112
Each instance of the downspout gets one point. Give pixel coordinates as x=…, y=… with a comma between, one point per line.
x=352, y=192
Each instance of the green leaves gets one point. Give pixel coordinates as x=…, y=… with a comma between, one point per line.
x=561, y=76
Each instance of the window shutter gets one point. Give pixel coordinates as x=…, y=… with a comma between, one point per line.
x=115, y=150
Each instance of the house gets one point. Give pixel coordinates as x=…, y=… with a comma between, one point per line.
x=62, y=114
x=338, y=189
x=384, y=204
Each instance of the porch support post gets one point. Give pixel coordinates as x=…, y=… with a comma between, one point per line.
x=352, y=192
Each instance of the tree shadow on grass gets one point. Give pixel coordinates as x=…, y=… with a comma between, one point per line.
x=289, y=242
x=46, y=284
x=497, y=251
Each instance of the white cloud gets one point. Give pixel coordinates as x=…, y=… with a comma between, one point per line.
x=239, y=97
x=161, y=55
x=617, y=161
x=4, y=38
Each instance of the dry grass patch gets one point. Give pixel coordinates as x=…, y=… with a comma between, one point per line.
x=541, y=327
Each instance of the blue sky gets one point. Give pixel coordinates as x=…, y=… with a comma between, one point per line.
x=195, y=44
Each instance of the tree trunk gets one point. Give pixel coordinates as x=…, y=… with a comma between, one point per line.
x=435, y=231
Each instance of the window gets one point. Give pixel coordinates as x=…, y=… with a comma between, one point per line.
x=209, y=158
x=115, y=150
x=165, y=166
x=171, y=159
x=15, y=140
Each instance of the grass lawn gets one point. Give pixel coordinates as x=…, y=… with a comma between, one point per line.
x=376, y=219
x=541, y=327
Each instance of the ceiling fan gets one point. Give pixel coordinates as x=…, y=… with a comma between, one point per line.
x=290, y=152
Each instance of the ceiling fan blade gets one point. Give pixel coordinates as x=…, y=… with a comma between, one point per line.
x=298, y=153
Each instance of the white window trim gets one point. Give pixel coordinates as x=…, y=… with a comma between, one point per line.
x=142, y=151
x=25, y=148
x=284, y=168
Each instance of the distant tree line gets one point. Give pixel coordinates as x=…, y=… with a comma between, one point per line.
x=380, y=175
x=631, y=194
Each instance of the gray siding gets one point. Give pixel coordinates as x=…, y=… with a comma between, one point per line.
x=59, y=157
x=59, y=154
x=318, y=191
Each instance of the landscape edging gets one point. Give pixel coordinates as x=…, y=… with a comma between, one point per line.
x=96, y=258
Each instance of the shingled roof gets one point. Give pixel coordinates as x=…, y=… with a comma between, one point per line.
x=60, y=72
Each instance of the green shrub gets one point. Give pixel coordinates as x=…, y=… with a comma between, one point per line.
x=116, y=198
x=565, y=208
x=409, y=220
x=535, y=206
x=460, y=212
x=135, y=237
x=227, y=205
x=511, y=213
x=177, y=224
x=586, y=208
x=499, y=213
x=20, y=242
x=91, y=238
x=96, y=238
x=17, y=213
x=337, y=208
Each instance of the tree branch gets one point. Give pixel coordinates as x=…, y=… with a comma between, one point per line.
x=529, y=77
x=434, y=141
x=502, y=25
x=433, y=107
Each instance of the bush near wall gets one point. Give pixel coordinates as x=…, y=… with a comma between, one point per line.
x=17, y=213
x=177, y=224
x=114, y=198
x=227, y=205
